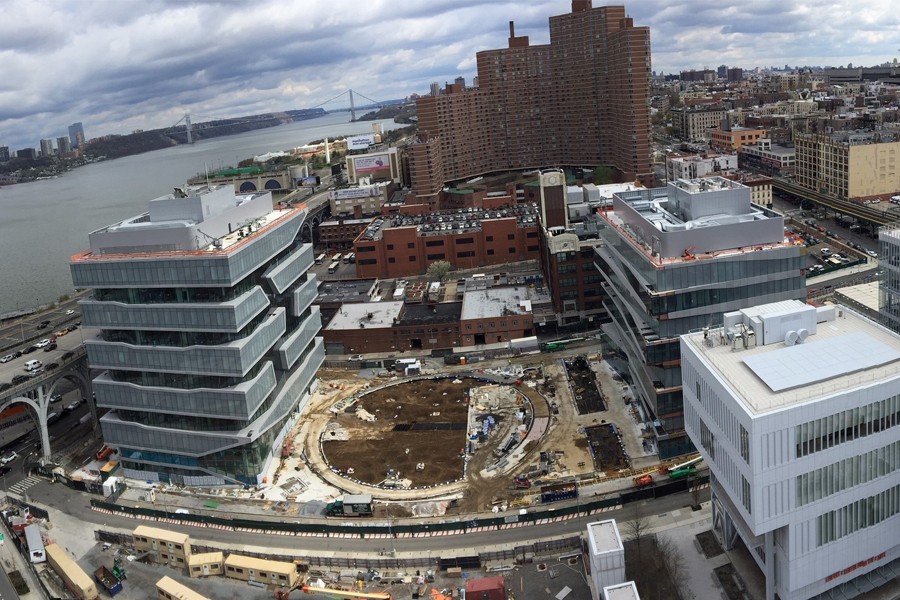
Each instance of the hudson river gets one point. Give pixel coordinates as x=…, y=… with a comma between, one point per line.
x=45, y=222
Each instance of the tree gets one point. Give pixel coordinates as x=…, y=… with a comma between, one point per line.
x=604, y=175
x=439, y=270
x=674, y=564
x=637, y=529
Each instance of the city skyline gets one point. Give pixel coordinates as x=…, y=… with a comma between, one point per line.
x=143, y=66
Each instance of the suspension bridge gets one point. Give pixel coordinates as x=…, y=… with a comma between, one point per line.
x=346, y=101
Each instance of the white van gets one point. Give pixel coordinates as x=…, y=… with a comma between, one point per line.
x=33, y=365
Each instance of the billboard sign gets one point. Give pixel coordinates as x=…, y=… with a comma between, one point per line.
x=370, y=163
x=360, y=142
x=347, y=193
x=311, y=181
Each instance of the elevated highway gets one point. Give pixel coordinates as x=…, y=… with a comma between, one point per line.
x=859, y=211
x=67, y=363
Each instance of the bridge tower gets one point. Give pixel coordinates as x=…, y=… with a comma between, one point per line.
x=352, y=109
x=187, y=127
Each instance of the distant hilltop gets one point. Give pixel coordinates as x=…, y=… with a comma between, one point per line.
x=117, y=146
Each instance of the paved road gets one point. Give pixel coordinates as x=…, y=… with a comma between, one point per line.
x=77, y=506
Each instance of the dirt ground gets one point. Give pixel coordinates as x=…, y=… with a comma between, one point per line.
x=416, y=422
x=608, y=453
x=588, y=397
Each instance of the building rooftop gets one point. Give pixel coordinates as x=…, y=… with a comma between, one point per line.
x=787, y=353
x=445, y=312
x=694, y=219
x=604, y=537
x=375, y=315
x=191, y=220
x=450, y=222
x=622, y=591
x=865, y=295
x=495, y=302
x=346, y=290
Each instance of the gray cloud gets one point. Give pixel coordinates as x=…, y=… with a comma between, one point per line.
x=130, y=64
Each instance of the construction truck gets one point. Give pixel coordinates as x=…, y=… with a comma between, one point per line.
x=643, y=481
x=522, y=482
x=351, y=505
x=326, y=592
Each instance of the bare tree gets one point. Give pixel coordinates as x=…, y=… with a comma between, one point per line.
x=637, y=529
x=675, y=566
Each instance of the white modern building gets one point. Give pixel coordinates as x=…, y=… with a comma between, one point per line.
x=606, y=553
x=209, y=341
x=796, y=410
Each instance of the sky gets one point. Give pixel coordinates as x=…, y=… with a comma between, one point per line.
x=121, y=65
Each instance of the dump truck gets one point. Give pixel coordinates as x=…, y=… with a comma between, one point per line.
x=351, y=505
x=110, y=582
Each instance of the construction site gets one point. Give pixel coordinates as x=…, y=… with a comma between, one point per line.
x=465, y=439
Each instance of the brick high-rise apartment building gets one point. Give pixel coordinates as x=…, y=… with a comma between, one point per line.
x=581, y=100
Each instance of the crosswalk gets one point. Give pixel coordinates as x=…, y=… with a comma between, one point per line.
x=21, y=486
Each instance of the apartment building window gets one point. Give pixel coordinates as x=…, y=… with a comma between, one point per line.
x=864, y=513
x=461, y=241
x=511, y=236
x=434, y=243
x=362, y=249
x=847, y=425
x=440, y=256
x=745, y=494
x=392, y=260
x=412, y=259
x=745, y=444
x=390, y=246
x=466, y=254
x=490, y=252
x=489, y=238
x=367, y=261
x=410, y=245
x=847, y=473
x=512, y=250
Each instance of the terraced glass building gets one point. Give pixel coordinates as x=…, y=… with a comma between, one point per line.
x=209, y=341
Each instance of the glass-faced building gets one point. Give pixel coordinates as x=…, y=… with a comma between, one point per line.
x=208, y=341
x=673, y=260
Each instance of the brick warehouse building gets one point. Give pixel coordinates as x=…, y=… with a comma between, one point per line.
x=582, y=99
x=405, y=245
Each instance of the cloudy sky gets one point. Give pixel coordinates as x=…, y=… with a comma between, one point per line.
x=120, y=65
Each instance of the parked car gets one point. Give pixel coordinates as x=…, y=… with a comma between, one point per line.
x=70, y=312
x=8, y=458
x=72, y=406
x=5, y=386
x=20, y=379
x=6, y=358
x=55, y=398
x=872, y=253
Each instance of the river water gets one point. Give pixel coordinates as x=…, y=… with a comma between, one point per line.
x=43, y=223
